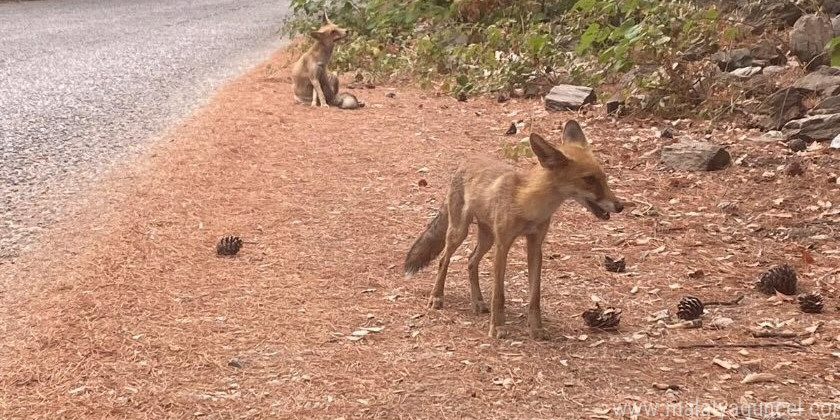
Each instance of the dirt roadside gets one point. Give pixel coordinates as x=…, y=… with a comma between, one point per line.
x=126, y=313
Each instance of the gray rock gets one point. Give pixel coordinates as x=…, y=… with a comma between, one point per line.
x=797, y=145
x=721, y=322
x=808, y=38
x=771, y=136
x=729, y=60
x=695, y=156
x=773, y=70
x=746, y=72
x=835, y=24
x=830, y=105
x=776, y=13
x=615, y=105
x=835, y=142
x=768, y=52
x=830, y=7
x=825, y=81
x=814, y=127
x=569, y=97
x=781, y=107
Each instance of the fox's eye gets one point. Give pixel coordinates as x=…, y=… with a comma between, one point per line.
x=590, y=179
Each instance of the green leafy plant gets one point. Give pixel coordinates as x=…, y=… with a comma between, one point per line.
x=525, y=44
x=833, y=49
x=515, y=151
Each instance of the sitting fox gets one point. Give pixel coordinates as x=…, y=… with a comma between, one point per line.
x=312, y=82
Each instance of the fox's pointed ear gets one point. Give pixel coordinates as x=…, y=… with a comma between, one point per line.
x=572, y=133
x=548, y=156
x=325, y=19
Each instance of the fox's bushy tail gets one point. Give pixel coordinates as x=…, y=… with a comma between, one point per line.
x=343, y=100
x=430, y=243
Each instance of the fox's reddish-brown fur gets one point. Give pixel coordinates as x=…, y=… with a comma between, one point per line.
x=507, y=204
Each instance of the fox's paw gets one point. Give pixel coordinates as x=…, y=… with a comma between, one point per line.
x=539, y=334
x=480, y=307
x=325, y=105
x=498, y=331
x=436, y=302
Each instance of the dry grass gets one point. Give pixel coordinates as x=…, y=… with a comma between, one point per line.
x=126, y=312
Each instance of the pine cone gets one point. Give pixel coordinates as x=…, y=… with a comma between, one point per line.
x=780, y=279
x=229, y=245
x=605, y=319
x=615, y=266
x=811, y=303
x=689, y=308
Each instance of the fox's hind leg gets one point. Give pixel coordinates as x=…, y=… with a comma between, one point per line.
x=459, y=225
x=485, y=242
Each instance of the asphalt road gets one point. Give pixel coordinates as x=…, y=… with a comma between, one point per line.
x=85, y=83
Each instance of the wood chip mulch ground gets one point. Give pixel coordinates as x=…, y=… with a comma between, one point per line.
x=125, y=311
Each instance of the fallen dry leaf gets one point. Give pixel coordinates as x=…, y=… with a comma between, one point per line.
x=806, y=256
x=725, y=364
x=758, y=377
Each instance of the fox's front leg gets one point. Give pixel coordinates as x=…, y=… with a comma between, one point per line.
x=497, y=301
x=534, y=271
x=319, y=93
x=314, y=96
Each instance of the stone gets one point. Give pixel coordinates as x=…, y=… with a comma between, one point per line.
x=721, y=322
x=825, y=81
x=615, y=106
x=769, y=53
x=808, y=38
x=814, y=127
x=835, y=24
x=695, y=156
x=830, y=7
x=830, y=105
x=728, y=60
x=746, y=72
x=773, y=70
x=772, y=136
x=776, y=13
x=569, y=97
x=780, y=107
x=797, y=145
x=835, y=142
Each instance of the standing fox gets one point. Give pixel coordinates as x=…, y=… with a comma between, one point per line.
x=312, y=82
x=507, y=204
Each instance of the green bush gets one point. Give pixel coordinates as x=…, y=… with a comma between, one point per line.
x=523, y=44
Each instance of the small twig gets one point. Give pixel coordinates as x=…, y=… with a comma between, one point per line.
x=694, y=323
x=743, y=345
x=732, y=302
x=773, y=334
